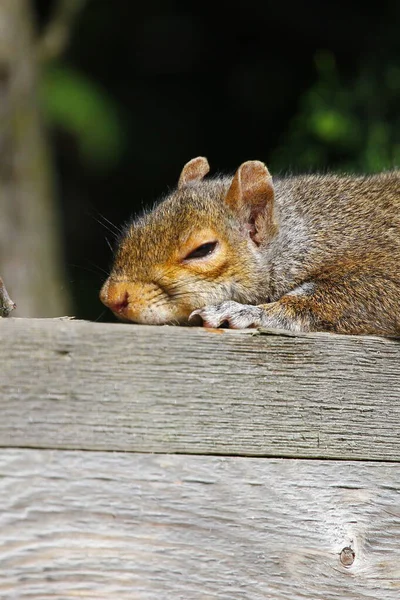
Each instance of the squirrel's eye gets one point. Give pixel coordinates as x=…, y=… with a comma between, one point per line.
x=201, y=251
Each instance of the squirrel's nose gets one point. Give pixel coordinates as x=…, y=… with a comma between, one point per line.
x=118, y=304
x=115, y=297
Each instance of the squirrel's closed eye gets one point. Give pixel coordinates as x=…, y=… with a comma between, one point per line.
x=201, y=251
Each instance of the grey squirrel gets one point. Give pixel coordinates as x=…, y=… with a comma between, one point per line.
x=301, y=253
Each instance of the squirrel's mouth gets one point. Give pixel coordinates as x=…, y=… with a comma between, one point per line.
x=141, y=320
x=121, y=318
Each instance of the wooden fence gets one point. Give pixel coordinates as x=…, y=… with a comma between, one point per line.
x=156, y=463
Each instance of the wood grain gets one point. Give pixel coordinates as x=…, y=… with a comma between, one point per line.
x=152, y=527
x=80, y=385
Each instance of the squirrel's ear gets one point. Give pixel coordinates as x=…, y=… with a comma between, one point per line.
x=194, y=170
x=251, y=197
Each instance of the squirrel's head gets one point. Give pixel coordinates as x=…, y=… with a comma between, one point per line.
x=201, y=245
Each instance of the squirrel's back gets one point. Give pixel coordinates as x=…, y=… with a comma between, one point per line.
x=335, y=218
x=366, y=205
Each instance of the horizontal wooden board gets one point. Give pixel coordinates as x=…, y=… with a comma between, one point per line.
x=152, y=527
x=81, y=385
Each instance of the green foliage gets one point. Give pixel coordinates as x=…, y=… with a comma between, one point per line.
x=75, y=104
x=346, y=126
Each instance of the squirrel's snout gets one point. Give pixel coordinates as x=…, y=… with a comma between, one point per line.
x=141, y=303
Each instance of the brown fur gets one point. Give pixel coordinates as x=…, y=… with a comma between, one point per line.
x=313, y=252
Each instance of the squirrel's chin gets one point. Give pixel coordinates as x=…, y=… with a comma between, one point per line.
x=153, y=317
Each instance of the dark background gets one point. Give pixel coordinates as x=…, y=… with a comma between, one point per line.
x=144, y=87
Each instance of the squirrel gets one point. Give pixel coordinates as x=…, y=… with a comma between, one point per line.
x=300, y=253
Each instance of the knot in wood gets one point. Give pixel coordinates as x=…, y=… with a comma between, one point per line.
x=347, y=556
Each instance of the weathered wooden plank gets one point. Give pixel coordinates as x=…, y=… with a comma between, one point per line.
x=149, y=527
x=80, y=385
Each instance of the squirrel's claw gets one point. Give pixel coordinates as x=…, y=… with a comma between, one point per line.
x=233, y=314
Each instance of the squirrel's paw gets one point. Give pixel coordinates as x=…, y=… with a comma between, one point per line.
x=233, y=314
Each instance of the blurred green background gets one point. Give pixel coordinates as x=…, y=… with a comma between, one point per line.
x=134, y=90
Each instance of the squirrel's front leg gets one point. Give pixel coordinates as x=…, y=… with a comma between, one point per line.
x=243, y=316
x=350, y=304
